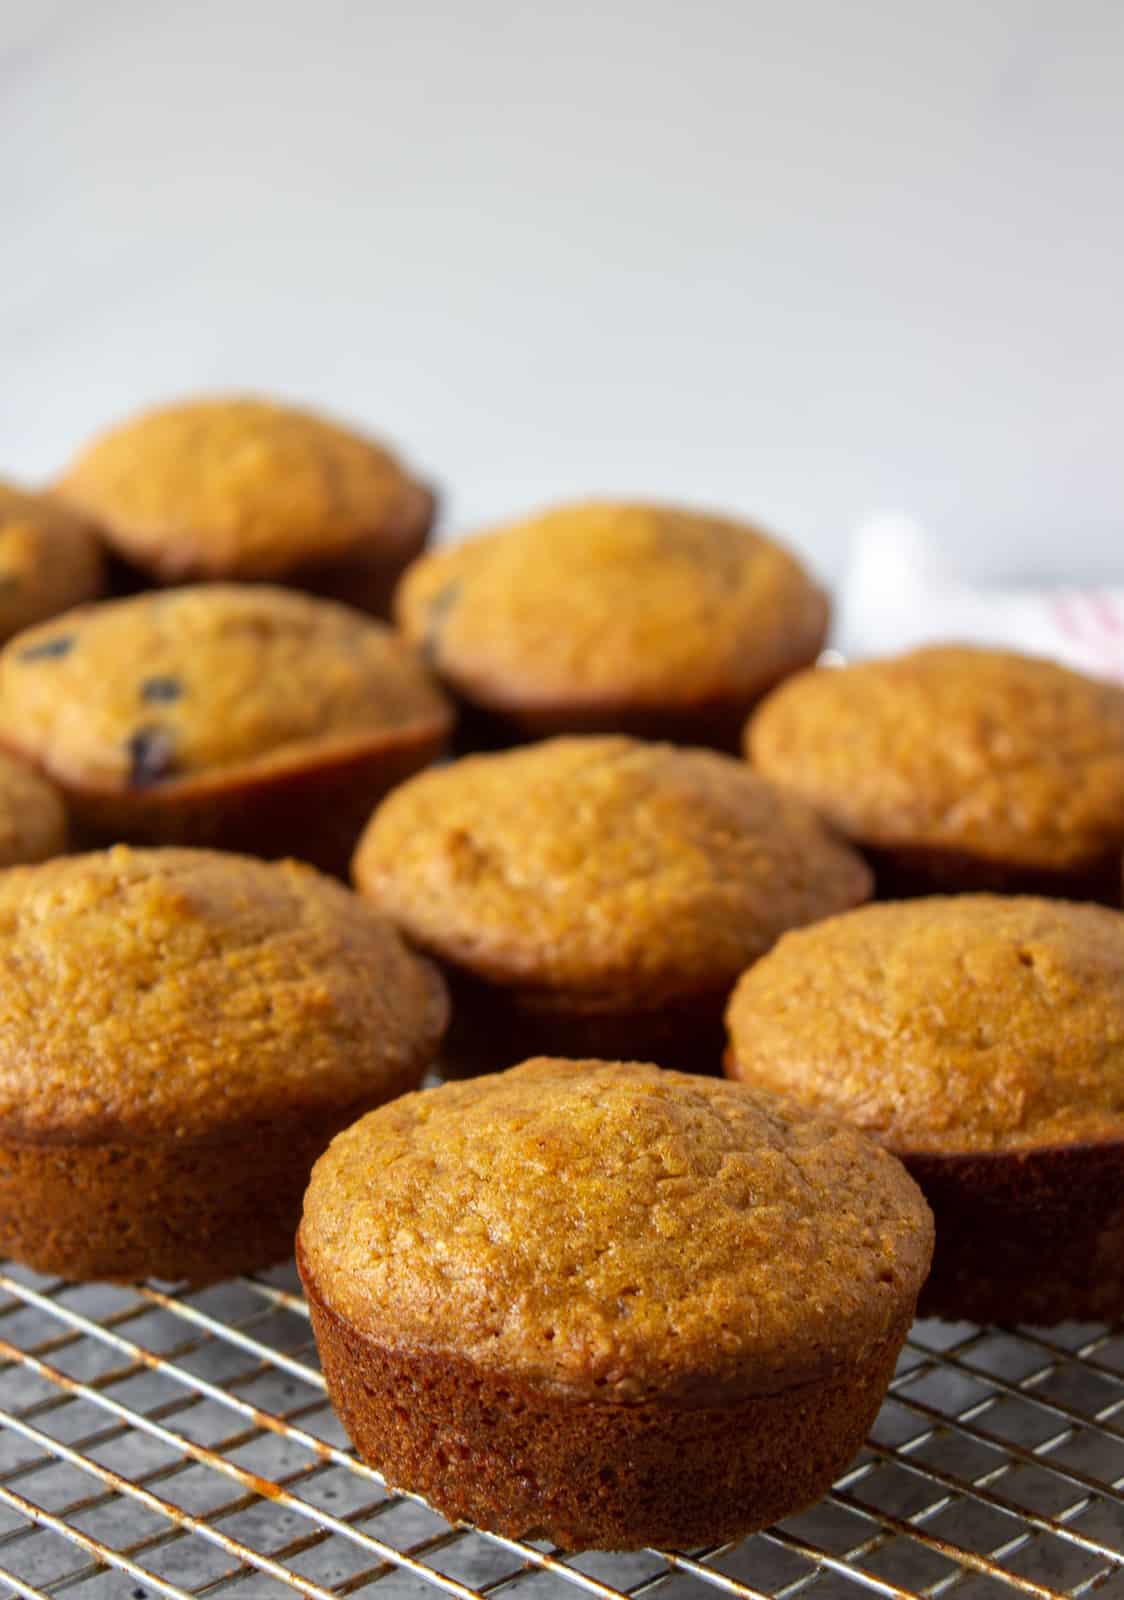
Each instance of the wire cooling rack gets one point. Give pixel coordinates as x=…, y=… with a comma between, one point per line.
x=163, y=1442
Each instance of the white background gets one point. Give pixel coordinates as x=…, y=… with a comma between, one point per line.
x=805, y=259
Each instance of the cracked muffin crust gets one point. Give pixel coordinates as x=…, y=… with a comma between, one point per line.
x=239, y=487
x=608, y=1304
x=50, y=559
x=32, y=816
x=981, y=1039
x=607, y=616
x=237, y=715
x=958, y=768
x=598, y=890
x=181, y=1033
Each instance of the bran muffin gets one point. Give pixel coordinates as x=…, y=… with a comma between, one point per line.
x=597, y=893
x=181, y=1034
x=244, y=488
x=606, y=1304
x=32, y=816
x=50, y=560
x=598, y=617
x=958, y=768
x=237, y=715
x=980, y=1039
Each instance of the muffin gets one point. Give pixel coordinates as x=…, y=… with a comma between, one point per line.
x=608, y=617
x=50, y=560
x=181, y=1034
x=32, y=816
x=597, y=893
x=243, y=488
x=222, y=714
x=606, y=1304
x=958, y=768
x=980, y=1039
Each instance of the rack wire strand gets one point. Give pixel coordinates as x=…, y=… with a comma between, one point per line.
x=157, y=1441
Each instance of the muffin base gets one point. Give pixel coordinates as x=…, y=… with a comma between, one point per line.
x=314, y=811
x=368, y=577
x=365, y=579
x=715, y=724
x=906, y=873
x=1031, y=1236
x=491, y=1030
x=184, y=1209
x=528, y=1462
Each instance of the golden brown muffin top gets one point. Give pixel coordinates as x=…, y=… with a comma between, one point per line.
x=32, y=816
x=1006, y=757
x=243, y=488
x=601, y=603
x=183, y=682
x=974, y=1022
x=616, y=1230
x=49, y=559
x=188, y=993
x=596, y=867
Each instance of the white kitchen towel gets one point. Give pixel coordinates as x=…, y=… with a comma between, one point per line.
x=899, y=592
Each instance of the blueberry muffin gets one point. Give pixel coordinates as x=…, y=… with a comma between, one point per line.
x=606, y=1304
x=957, y=768
x=636, y=619
x=598, y=892
x=32, y=816
x=243, y=488
x=50, y=560
x=181, y=1034
x=981, y=1039
x=241, y=716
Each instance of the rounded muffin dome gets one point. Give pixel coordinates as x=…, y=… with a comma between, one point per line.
x=50, y=559
x=967, y=1023
x=615, y=1228
x=981, y=1039
x=973, y=768
x=617, y=617
x=602, y=866
x=241, y=487
x=187, y=992
x=206, y=679
x=234, y=716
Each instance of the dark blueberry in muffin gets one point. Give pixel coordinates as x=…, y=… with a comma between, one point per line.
x=151, y=757
x=49, y=649
x=161, y=690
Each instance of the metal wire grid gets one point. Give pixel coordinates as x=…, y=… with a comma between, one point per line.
x=177, y=1443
